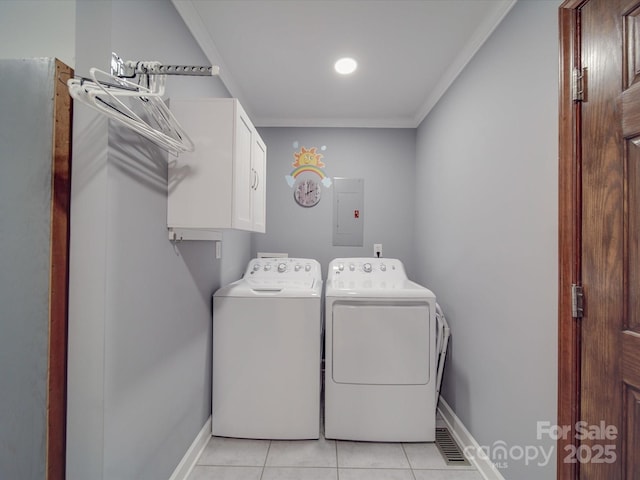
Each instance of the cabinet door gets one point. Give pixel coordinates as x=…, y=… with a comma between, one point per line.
x=243, y=177
x=259, y=165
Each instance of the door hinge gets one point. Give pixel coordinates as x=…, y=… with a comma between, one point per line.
x=577, y=301
x=579, y=84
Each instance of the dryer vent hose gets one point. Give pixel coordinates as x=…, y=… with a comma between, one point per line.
x=442, y=340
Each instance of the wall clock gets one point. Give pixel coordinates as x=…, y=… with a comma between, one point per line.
x=306, y=192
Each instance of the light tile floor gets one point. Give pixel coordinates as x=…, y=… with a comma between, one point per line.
x=236, y=459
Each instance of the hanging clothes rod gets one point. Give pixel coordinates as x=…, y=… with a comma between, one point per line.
x=129, y=69
x=138, y=106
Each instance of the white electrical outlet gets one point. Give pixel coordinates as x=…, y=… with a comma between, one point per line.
x=377, y=250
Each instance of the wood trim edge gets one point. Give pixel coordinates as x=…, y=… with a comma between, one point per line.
x=59, y=274
x=569, y=197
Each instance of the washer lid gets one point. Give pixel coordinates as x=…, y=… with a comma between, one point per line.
x=261, y=283
x=242, y=288
x=291, y=277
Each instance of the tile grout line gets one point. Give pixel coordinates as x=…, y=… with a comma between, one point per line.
x=408, y=461
x=264, y=465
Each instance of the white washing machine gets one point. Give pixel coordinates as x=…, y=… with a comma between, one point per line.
x=380, y=364
x=267, y=334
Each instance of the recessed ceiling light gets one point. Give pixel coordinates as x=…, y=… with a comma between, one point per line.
x=345, y=66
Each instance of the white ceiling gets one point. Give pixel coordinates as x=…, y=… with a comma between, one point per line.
x=277, y=56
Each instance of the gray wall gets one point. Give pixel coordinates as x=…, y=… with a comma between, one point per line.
x=486, y=231
x=26, y=124
x=484, y=203
x=140, y=307
x=38, y=28
x=384, y=158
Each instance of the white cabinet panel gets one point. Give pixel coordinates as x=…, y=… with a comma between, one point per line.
x=259, y=185
x=221, y=184
x=242, y=217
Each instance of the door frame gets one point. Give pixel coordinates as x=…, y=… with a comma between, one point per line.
x=59, y=275
x=569, y=232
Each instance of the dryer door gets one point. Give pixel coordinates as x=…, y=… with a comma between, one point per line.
x=381, y=343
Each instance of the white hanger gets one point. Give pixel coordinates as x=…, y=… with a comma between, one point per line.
x=108, y=94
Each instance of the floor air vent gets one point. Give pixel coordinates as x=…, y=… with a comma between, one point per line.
x=449, y=449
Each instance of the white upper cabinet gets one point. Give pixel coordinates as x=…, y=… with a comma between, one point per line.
x=222, y=183
x=259, y=185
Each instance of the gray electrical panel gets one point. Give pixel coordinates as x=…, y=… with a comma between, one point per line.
x=348, y=211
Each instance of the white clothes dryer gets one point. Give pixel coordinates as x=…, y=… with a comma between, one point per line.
x=380, y=364
x=267, y=335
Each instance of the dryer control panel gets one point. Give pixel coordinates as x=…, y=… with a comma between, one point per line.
x=368, y=270
x=275, y=273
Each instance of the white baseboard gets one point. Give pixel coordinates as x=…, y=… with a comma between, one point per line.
x=487, y=469
x=190, y=458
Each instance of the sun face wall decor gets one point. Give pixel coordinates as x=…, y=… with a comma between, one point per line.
x=308, y=157
x=307, y=177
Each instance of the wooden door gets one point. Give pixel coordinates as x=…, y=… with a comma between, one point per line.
x=629, y=333
x=599, y=375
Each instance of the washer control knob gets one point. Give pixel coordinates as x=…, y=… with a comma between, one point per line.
x=352, y=267
x=282, y=267
x=383, y=267
x=341, y=267
x=367, y=268
x=267, y=267
x=297, y=267
x=256, y=267
x=307, y=268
